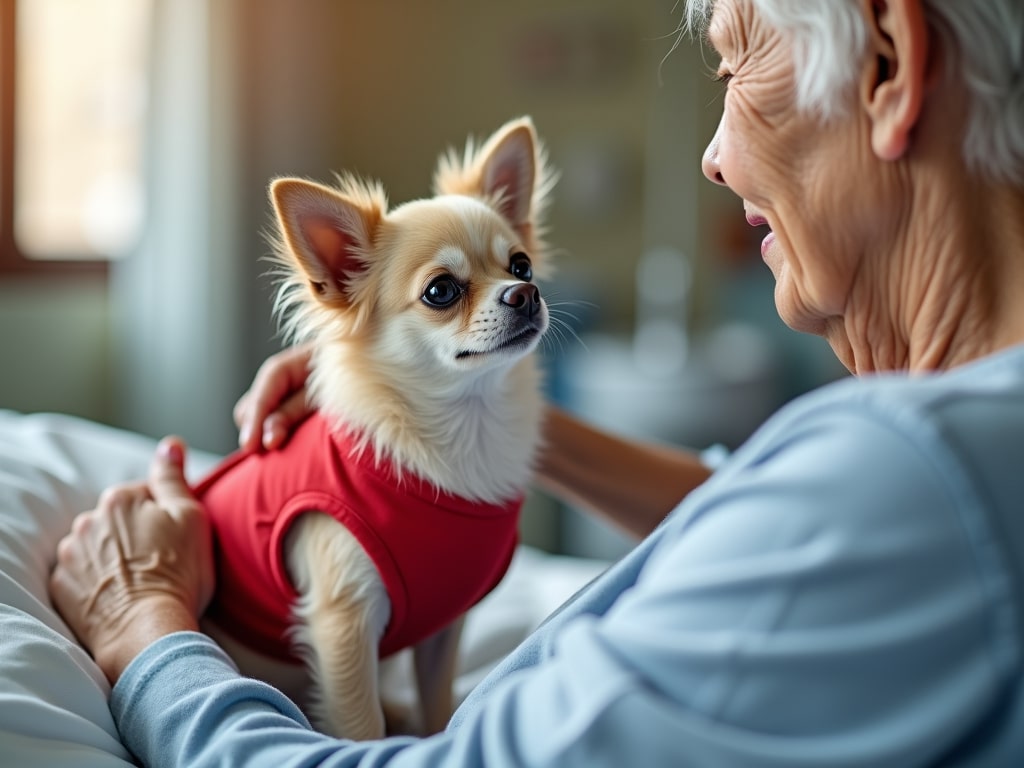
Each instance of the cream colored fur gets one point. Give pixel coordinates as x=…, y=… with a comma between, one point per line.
x=434, y=390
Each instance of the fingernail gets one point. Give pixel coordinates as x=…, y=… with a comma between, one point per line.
x=268, y=436
x=243, y=435
x=171, y=451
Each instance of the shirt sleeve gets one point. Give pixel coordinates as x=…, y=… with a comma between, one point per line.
x=820, y=601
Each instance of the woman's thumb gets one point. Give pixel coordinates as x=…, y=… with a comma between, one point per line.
x=167, y=472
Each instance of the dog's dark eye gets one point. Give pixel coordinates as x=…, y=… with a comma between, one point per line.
x=442, y=292
x=519, y=266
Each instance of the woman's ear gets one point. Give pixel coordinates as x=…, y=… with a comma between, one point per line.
x=894, y=79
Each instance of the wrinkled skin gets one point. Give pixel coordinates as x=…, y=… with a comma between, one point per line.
x=875, y=221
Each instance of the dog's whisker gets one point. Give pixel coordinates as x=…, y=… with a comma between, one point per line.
x=560, y=332
x=555, y=343
x=565, y=308
x=567, y=318
x=551, y=296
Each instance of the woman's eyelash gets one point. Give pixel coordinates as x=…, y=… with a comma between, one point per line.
x=723, y=77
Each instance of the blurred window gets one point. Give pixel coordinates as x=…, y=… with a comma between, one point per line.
x=72, y=113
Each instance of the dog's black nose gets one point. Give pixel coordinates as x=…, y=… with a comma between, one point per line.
x=523, y=298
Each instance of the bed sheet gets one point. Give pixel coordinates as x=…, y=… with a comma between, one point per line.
x=53, y=698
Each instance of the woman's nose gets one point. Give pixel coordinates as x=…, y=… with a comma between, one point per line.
x=709, y=163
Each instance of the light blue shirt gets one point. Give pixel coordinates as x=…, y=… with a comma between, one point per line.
x=845, y=590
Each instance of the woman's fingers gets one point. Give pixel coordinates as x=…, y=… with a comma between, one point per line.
x=191, y=538
x=276, y=402
x=282, y=422
x=167, y=482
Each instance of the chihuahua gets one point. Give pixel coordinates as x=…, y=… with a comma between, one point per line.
x=394, y=508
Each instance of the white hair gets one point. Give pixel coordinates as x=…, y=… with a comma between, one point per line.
x=983, y=40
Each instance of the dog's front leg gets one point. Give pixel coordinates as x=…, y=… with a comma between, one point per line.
x=340, y=617
x=434, y=661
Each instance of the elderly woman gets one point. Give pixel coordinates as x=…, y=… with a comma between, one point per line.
x=847, y=588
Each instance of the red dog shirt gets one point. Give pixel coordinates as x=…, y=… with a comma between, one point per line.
x=437, y=554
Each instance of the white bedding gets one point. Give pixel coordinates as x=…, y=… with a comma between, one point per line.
x=53, y=709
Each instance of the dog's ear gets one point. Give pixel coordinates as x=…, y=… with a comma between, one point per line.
x=509, y=170
x=326, y=234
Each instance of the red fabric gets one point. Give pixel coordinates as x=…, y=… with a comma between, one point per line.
x=437, y=554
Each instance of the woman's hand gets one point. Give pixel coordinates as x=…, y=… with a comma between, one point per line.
x=138, y=567
x=276, y=402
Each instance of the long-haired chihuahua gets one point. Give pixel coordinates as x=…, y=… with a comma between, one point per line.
x=394, y=508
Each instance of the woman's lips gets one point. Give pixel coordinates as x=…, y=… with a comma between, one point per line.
x=755, y=220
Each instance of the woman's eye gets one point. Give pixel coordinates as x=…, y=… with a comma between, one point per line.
x=442, y=292
x=520, y=267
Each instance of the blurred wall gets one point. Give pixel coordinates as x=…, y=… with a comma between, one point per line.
x=54, y=346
